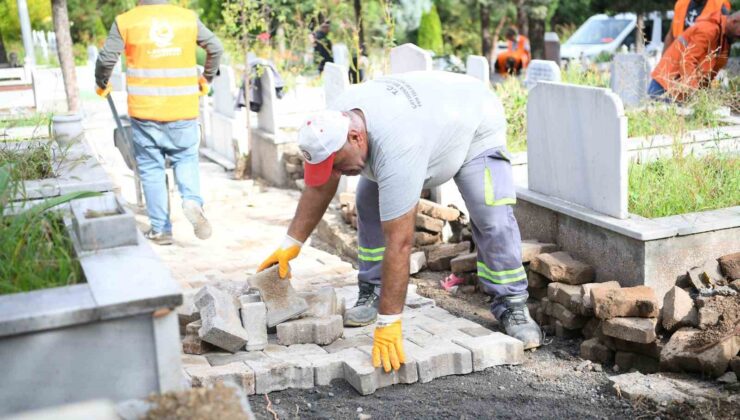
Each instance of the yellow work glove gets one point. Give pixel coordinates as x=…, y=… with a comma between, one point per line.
x=287, y=251
x=388, y=343
x=203, y=86
x=103, y=92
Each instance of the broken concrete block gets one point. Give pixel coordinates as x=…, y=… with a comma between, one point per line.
x=682, y=354
x=233, y=288
x=322, y=331
x=439, y=358
x=438, y=211
x=321, y=303
x=708, y=317
x=273, y=374
x=705, y=275
x=730, y=265
x=493, y=350
x=569, y=319
x=639, y=301
x=628, y=361
x=426, y=238
x=666, y=390
x=187, y=312
x=678, y=310
x=281, y=300
x=536, y=280
x=464, y=263
x=254, y=320
x=566, y=295
x=638, y=330
x=595, y=351
x=192, y=343
x=239, y=374
x=586, y=291
x=250, y=298
x=439, y=257
x=417, y=262
x=429, y=223
x=533, y=248
x=366, y=379
x=220, y=317
x=561, y=267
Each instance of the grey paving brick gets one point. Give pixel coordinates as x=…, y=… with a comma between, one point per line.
x=192, y=343
x=322, y=331
x=272, y=374
x=492, y=350
x=440, y=358
x=220, y=316
x=236, y=373
x=254, y=320
x=365, y=379
x=322, y=303
x=348, y=343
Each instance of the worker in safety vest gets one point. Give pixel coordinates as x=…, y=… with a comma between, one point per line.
x=686, y=12
x=164, y=90
x=404, y=133
x=517, y=55
x=696, y=56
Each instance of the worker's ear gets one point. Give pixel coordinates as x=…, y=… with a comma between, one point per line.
x=354, y=137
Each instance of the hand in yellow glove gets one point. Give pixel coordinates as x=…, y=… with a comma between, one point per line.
x=103, y=92
x=203, y=86
x=287, y=251
x=388, y=343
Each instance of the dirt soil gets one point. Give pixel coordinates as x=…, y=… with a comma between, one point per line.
x=729, y=322
x=219, y=402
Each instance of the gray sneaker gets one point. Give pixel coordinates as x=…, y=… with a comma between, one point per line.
x=365, y=311
x=195, y=215
x=519, y=324
x=159, y=238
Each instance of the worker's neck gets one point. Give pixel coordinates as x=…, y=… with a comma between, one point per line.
x=150, y=2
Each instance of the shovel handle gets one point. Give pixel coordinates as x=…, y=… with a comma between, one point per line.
x=115, y=113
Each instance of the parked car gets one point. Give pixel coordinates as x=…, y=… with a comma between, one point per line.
x=604, y=35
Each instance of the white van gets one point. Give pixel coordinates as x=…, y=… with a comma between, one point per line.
x=602, y=33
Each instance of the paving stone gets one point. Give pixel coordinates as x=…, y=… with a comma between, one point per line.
x=417, y=262
x=349, y=342
x=567, y=318
x=442, y=330
x=439, y=358
x=328, y=367
x=365, y=379
x=586, y=291
x=439, y=256
x=566, y=295
x=220, y=317
x=187, y=312
x=428, y=223
x=593, y=350
x=679, y=356
x=426, y=238
x=415, y=301
x=192, y=343
x=282, y=302
x=367, y=330
x=464, y=263
x=250, y=298
x=322, y=303
x=561, y=267
x=638, y=330
x=273, y=374
x=193, y=360
x=476, y=331
x=533, y=248
x=493, y=350
x=233, y=288
x=678, y=310
x=439, y=314
x=438, y=211
x=639, y=301
x=537, y=280
x=730, y=265
x=239, y=374
x=254, y=320
x=628, y=361
x=323, y=331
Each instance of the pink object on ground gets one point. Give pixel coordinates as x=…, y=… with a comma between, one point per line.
x=451, y=281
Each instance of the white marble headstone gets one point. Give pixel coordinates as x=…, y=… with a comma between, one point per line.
x=340, y=54
x=409, y=57
x=541, y=71
x=267, y=116
x=92, y=54
x=336, y=81
x=577, y=146
x=477, y=66
x=223, y=91
x=630, y=76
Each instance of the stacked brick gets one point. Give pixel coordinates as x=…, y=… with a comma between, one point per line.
x=293, y=163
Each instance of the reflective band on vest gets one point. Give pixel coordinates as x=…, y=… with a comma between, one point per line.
x=683, y=41
x=161, y=73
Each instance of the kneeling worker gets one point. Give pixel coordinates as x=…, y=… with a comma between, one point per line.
x=403, y=133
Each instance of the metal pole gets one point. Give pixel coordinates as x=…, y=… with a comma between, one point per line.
x=30, y=58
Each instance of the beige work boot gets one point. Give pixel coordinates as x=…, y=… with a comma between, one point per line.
x=195, y=215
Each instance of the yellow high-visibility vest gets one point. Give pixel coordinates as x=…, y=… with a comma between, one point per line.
x=161, y=72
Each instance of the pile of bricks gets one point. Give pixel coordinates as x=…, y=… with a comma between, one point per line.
x=293, y=163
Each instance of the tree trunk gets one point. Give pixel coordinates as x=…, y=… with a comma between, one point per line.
x=639, y=35
x=522, y=18
x=66, y=56
x=3, y=54
x=243, y=163
x=495, y=37
x=537, y=38
x=485, y=30
x=358, y=20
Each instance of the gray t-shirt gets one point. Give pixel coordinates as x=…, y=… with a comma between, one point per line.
x=422, y=128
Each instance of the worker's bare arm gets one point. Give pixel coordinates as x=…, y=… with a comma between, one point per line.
x=399, y=238
x=311, y=208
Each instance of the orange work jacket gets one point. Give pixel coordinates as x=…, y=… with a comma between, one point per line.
x=682, y=7
x=161, y=71
x=520, y=51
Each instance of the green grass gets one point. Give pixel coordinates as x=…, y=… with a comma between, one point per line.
x=31, y=120
x=28, y=164
x=684, y=185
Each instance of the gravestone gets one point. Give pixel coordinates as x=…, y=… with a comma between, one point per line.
x=340, y=54
x=267, y=117
x=541, y=71
x=409, y=57
x=226, y=124
x=477, y=66
x=223, y=87
x=52, y=40
x=552, y=47
x=335, y=80
x=92, y=55
x=630, y=78
x=577, y=146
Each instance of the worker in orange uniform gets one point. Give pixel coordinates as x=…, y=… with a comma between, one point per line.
x=686, y=12
x=517, y=55
x=696, y=56
x=164, y=90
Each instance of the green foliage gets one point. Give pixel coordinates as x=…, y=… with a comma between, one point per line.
x=641, y=6
x=576, y=75
x=39, y=12
x=430, y=31
x=27, y=164
x=514, y=99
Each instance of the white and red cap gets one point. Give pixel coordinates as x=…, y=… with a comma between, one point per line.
x=319, y=139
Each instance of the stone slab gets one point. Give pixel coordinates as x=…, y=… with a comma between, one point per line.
x=638, y=301
x=638, y=330
x=220, y=317
x=561, y=267
x=493, y=350
x=630, y=76
x=323, y=331
x=438, y=358
x=279, y=296
x=477, y=66
x=254, y=320
x=409, y=57
x=541, y=71
x=239, y=374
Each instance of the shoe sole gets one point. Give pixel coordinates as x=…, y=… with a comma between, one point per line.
x=531, y=345
x=350, y=323
x=201, y=226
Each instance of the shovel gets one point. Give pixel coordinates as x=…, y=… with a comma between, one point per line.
x=124, y=143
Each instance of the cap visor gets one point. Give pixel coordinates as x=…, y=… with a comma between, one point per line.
x=317, y=174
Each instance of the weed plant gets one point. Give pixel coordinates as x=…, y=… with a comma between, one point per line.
x=28, y=164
